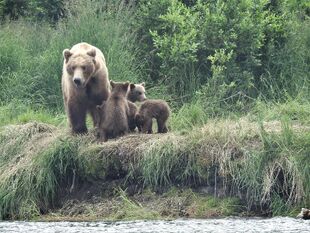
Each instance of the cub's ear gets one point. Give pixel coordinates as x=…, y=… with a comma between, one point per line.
x=67, y=54
x=126, y=85
x=112, y=84
x=132, y=86
x=142, y=84
x=92, y=53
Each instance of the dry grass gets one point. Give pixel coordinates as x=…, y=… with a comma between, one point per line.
x=256, y=161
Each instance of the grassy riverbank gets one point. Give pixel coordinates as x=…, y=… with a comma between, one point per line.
x=235, y=73
x=248, y=165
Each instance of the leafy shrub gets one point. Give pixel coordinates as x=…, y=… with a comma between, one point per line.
x=188, y=41
x=51, y=10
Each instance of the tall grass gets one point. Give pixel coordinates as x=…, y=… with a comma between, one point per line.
x=33, y=175
x=264, y=163
x=31, y=52
x=17, y=113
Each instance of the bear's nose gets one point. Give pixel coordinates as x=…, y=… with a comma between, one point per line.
x=77, y=81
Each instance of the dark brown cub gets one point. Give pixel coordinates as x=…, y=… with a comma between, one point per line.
x=114, y=121
x=150, y=109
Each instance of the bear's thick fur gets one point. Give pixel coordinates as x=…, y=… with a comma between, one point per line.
x=150, y=109
x=136, y=92
x=113, y=120
x=85, y=84
x=133, y=110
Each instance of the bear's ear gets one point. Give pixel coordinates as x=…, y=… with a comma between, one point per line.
x=142, y=84
x=112, y=84
x=132, y=86
x=92, y=53
x=67, y=54
x=125, y=86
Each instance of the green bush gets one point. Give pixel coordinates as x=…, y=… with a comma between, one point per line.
x=252, y=48
x=50, y=10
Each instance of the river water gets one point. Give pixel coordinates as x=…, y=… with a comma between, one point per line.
x=225, y=225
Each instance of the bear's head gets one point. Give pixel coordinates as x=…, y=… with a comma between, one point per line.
x=119, y=89
x=137, y=92
x=80, y=67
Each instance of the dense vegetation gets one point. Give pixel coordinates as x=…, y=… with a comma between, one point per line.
x=210, y=59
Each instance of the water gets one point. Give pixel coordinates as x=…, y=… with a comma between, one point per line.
x=227, y=225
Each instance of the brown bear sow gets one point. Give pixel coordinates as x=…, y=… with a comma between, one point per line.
x=136, y=92
x=85, y=84
x=150, y=109
x=114, y=122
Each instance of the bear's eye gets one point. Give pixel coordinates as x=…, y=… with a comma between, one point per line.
x=83, y=67
x=139, y=93
x=73, y=67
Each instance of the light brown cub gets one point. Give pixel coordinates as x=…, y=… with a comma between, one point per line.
x=136, y=92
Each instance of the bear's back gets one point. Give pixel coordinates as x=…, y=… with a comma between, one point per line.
x=155, y=108
x=116, y=116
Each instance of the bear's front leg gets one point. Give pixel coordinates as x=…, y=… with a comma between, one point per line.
x=147, y=126
x=161, y=125
x=103, y=137
x=95, y=115
x=77, y=117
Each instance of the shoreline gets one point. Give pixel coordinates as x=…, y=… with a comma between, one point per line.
x=129, y=178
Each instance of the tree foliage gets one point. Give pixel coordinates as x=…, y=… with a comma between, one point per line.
x=242, y=44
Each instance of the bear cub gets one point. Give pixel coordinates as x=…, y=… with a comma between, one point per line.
x=137, y=92
x=113, y=112
x=150, y=109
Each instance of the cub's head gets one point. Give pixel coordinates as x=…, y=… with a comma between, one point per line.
x=80, y=66
x=137, y=92
x=119, y=88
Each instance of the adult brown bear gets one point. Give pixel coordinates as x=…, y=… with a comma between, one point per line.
x=85, y=84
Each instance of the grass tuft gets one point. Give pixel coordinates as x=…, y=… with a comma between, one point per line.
x=266, y=163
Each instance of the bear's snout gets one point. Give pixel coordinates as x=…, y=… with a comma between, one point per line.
x=77, y=81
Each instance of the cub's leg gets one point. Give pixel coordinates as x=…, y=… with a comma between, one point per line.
x=147, y=126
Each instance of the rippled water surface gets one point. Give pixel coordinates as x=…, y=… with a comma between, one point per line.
x=210, y=225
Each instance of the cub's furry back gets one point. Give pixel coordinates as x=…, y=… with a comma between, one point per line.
x=114, y=113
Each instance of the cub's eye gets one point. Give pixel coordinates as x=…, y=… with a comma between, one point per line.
x=139, y=93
